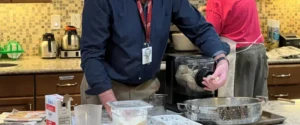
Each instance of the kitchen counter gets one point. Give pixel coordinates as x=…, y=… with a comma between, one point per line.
x=283, y=61
x=34, y=64
x=286, y=109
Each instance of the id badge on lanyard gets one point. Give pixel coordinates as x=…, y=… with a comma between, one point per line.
x=147, y=51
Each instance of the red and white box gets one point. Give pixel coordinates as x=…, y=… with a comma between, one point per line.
x=58, y=109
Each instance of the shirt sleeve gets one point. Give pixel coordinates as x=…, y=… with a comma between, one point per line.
x=213, y=15
x=189, y=20
x=95, y=32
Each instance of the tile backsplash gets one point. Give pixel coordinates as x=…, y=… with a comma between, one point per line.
x=27, y=22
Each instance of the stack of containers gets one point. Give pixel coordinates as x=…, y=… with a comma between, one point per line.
x=134, y=112
x=273, y=34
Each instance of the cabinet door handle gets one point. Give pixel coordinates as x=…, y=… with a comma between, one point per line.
x=282, y=75
x=66, y=77
x=280, y=95
x=30, y=106
x=66, y=85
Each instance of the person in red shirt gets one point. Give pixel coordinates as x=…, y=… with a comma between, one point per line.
x=237, y=23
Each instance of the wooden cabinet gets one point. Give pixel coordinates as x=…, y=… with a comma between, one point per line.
x=65, y=83
x=284, y=81
x=17, y=86
x=40, y=102
x=68, y=83
x=284, y=91
x=4, y=1
x=21, y=104
x=31, y=1
x=16, y=92
x=27, y=92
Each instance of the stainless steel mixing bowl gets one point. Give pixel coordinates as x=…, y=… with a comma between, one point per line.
x=234, y=110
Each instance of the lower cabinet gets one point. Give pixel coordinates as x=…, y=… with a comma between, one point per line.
x=58, y=83
x=20, y=103
x=27, y=92
x=284, y=91
x=283, y=81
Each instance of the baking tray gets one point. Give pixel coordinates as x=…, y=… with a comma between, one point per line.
x=266, y=119
x=270, y=118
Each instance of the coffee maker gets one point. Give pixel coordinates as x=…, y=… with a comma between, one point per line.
x=70, y=45
x=196, y=67
x=48, y=47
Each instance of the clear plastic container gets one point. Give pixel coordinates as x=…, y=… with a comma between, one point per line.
x=132, y=112
x=88, y=114
x=158, y=101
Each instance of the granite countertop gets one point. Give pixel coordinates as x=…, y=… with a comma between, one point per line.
x=286, y=109
x=283, y=61
x=35, y=64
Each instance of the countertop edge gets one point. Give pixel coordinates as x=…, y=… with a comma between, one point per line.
x=42, y=71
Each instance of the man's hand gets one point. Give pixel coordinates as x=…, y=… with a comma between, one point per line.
x=105, y=97
x=219, y=77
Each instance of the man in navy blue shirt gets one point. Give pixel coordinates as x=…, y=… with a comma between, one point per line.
x=123, y=43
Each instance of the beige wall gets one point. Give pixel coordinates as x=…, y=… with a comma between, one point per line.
x=27, y=22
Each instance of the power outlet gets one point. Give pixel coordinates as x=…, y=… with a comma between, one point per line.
x=76, y=20
x=55, y=22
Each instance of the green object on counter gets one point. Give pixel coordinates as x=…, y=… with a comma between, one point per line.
x=13, y=49
x=1, y=49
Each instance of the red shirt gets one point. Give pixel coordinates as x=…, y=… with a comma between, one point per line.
x=235, y=19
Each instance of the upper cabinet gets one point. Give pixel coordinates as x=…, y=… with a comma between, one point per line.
x=4, y=1
x=25, y=1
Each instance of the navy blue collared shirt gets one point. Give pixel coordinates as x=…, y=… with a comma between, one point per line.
x=113, y=38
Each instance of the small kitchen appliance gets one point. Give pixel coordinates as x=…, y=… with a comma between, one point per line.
x=289, y=39
x=48, y=47
x=184, y=74
x=70, y=46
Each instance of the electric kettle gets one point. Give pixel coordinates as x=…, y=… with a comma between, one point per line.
x=48, y=47
x=71, y=39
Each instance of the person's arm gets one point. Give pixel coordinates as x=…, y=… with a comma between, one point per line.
x=213, y=16
x=193, y=25
x=189, y=20
x=95, y=31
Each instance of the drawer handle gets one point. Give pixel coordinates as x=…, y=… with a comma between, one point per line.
x=282, y=75
x=66, y=85
x=280, y=95
x=74, y=105
x=66, y=77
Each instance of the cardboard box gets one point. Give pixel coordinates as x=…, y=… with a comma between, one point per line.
x=58, y=109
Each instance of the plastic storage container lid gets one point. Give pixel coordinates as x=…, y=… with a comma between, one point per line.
x=132, y=104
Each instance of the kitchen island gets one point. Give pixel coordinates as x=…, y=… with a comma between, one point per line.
x=286, y=109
